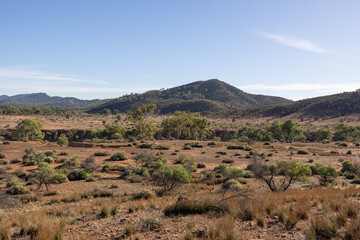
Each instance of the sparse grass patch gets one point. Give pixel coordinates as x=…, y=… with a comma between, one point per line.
x=104, y=212
x=150, y=224
x=144, y=194
x=187, y=207
x=321, y=228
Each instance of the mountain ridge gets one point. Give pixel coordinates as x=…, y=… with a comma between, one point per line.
x=42, y=99
x=201, y=96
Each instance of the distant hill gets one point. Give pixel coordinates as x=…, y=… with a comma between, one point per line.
x=335, y=105
x=42, y=99
x=2, y=97
x=211, y=96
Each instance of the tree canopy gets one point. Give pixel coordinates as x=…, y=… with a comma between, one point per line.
x=29, y=129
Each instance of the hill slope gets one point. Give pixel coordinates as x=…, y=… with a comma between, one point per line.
x=42, y=99
x=335, y=105
x=209, y=96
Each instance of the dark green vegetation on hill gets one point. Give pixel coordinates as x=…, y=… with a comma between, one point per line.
x=210, y=96
x=335, y=105
x=42, y=99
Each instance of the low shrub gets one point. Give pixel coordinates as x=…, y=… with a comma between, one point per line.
x=235, y=147
x=113, y=168
x=100, y=154
x=201, y=165
x=63, y=153
x=211, y=143
x=146, y=146
x=195, y=144
x=221, y=153
x=232, y=184
x=162, y=147
x=302, y=152
x=78, y=174
x=187, y=147
x=248, y=148
x=227, y=161
x=49, y=160
x=16, y=160
x=118, y=156
x=59, y=178
x=350, y=176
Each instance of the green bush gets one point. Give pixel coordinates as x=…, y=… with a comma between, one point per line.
x=118, y=156
x=98, y=154
x=2, y=155
x=232, y=184
x=187, y=147
x=170, y=177
x=302, y=152
x=162, y=147
x=78, y=174
x=59, y=178
x=49, y=160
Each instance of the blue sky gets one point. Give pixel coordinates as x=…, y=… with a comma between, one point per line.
x=104, y=49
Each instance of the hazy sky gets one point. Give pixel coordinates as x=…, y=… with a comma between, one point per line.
x=103, y=49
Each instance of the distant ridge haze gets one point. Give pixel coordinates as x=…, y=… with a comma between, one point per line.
x=42, y=99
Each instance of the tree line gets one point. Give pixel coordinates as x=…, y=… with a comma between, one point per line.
x=290, y=130
x=184, y=125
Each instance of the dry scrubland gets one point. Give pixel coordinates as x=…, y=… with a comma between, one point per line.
x=134, y=206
